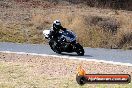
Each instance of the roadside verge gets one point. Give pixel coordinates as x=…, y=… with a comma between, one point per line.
x=19, y=70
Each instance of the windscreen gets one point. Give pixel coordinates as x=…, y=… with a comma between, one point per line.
x=69, y=35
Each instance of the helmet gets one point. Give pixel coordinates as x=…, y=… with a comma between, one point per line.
x=57, y=25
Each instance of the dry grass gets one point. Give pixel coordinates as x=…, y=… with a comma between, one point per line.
x=22, y=75
x=27, y=71
x=95, y=27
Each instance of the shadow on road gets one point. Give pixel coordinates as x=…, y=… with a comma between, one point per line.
x=73, y=54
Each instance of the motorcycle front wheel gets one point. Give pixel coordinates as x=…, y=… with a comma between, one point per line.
x=79, y=49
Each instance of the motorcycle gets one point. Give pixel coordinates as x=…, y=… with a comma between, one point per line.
x=67, y=42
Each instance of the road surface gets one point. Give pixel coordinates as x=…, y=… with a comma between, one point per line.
x=118, y=56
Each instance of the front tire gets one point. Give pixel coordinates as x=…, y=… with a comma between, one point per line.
x=79, y=50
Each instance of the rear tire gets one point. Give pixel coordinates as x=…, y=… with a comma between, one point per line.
x=54, y=47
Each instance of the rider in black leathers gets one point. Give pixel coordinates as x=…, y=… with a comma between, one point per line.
x=54, y=31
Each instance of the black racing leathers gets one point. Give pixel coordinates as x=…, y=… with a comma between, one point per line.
x=54, y=35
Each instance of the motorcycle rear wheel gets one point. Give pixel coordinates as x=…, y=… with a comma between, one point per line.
x=54, y=47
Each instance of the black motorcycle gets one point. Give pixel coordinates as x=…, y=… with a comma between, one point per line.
x=66, y=42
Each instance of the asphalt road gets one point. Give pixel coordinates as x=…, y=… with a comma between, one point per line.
x=114, y=55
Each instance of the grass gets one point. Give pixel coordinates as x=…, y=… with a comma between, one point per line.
x=94, y=27
x=29, y=71
x=11, y=34
x=22, y=75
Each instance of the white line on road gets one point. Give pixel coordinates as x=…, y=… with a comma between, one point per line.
x=68, y=57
